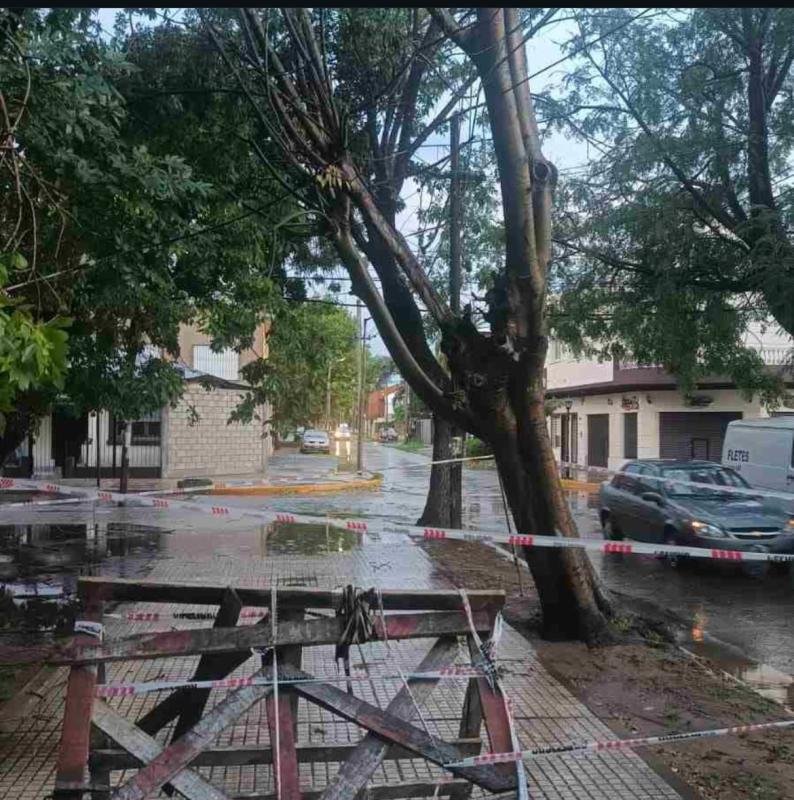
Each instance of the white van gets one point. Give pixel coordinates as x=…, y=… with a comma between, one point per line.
x=762, y=450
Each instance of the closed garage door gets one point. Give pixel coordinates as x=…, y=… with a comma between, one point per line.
x=693, y=434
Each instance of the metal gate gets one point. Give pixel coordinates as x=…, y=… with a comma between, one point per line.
x=686, y=435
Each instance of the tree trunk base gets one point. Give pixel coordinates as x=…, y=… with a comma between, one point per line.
x=443, y=507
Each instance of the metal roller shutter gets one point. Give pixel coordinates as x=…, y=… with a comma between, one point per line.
x=693, y=434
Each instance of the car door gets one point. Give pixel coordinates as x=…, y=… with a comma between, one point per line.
x=622, y=505
x=650, y=516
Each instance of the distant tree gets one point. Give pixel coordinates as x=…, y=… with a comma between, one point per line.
x=307, y=340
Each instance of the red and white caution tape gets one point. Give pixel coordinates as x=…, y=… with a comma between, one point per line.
x=600, y=745
x=383, y=528
x=463, y=672
x=157, y=616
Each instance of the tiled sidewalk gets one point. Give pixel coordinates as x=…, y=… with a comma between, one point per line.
x=546, y=713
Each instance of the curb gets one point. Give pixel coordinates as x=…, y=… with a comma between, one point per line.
x=299, y=488
x=579, y=486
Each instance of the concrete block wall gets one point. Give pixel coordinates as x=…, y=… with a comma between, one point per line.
x=209, y=446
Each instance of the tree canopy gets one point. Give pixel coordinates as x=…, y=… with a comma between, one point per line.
x=677, y=235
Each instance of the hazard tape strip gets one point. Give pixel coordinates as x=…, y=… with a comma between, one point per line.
x=126, y=689
x=600, y=745
x=383, y=528
x=156, y=616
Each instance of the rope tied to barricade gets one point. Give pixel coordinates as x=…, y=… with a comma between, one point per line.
x=356, y=612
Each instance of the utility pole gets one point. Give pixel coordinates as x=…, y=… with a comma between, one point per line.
x=455, y=280
x=360, y=436
x=328, y=401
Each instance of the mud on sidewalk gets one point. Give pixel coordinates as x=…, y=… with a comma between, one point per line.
x=648, y=689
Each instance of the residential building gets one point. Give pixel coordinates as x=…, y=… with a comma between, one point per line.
x=192, y=439
x=610, y=411
x=380, y=407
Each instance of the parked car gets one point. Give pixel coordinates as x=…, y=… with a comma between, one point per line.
x=685, y=503
x=387, y=435
x=762, y=452
x=343, y=431
x=315, y=442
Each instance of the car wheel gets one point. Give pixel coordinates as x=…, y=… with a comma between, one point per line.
x=756, y=569
x=610, y=530
x=675, y=561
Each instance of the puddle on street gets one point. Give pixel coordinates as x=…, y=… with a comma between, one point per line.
x=765, y=679
x=310, y=540
x=40, y=564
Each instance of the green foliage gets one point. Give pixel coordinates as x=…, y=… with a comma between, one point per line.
x=137, y=220
x=649, y=269
x=32, y=353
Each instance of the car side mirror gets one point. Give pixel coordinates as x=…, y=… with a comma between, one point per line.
x=653, y=497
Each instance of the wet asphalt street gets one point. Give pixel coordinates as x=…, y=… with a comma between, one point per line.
x=752, y=616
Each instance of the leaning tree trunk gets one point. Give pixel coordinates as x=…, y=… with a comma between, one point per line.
x=443, y=507
x=503, y=374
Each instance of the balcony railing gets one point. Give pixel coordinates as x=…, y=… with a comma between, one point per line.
x=771, y=356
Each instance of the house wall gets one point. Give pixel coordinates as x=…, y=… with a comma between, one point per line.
x=651, y=404
x=209, y=446
x=569, y=372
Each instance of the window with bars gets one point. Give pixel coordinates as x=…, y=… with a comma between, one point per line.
x=145, y=431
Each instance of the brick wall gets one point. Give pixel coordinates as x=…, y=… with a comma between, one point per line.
x=210, y=447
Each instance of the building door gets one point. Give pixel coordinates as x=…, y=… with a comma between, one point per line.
x=630, y=435
x=69, y=434
x=688, y=435
x=597, y=440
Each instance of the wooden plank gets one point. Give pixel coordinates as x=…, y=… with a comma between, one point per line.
x=493, y=711
x=164, y=712
x=251, y=755
x=307, y=632
x=209, y=667
x=119, y=589
x=282, y=718
x=470, y=726
x=396, y=730
x=75, y=741
x=144, y=749
x=171, y=761
x=371, y=750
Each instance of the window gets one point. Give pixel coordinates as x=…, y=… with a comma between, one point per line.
x=630, y=435
x=555, y=430
x=145, y=431
x=624, y=480
x=225, y=364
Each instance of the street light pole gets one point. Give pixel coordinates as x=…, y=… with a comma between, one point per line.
x=360, y=424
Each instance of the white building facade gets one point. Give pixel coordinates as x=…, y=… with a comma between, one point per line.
x=609, y=412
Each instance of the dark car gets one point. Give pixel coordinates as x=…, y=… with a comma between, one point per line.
x=686, y=503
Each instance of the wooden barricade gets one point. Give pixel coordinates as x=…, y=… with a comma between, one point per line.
x=96, y=739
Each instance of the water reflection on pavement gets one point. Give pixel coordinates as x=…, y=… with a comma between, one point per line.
x=752, y=615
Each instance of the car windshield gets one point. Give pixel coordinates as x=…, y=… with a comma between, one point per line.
x=696, y=481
